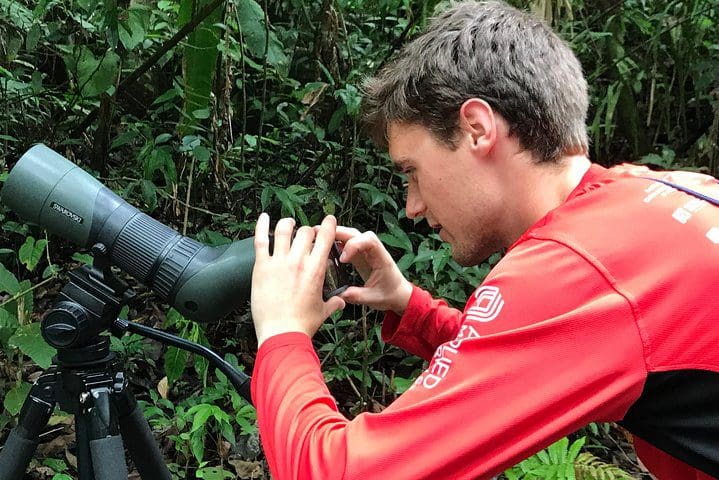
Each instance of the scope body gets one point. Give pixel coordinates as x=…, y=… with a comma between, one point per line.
x=203, y=283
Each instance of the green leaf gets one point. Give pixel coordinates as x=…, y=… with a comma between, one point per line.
x=376, y=197
x=167, y=96
x=174, y=318
x=351, y=97
x=8, y=282
x=201, y=414
x=94, y=75
x=397, y=238
x=200, y=60
x=29, y=340
x=149, y=193
x=36, y=82
x=213, y=238
x=16, y=14
x=82, y=258
x=160, y=159
x=288, y=207
x=31, y=252
x=202, y=153
x=133, y=30
x=175, y=362
x=575, y=448
x=162, y=138
x=201, y=113
x=254, y=33
x=51, y=270
x=241, y=185
x=8, y=326
x=57, y=465
x=213, y=473
x=15, y=397
x=26, y=301
x=439, y=261
x=266, y=197
x=123, y=138
x=197, y=445
x=33, y=37
x=402, y=384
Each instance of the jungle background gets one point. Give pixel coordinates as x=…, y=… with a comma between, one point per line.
x=204, y=113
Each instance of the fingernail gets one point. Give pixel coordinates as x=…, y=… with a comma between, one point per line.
x=343, y=257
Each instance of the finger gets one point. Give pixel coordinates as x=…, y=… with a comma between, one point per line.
x=369, y=247
x=332, y=305
x=358, y=296
x=302, y=243
x=262, y=237
x=325, y=239
x=283, y=235
x=345, y=233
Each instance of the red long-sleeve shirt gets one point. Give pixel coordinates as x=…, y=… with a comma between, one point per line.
x=599, y=312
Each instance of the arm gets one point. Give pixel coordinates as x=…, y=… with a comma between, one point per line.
x=532, y=362
x=425, y=325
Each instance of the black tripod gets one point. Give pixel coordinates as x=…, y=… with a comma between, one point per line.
x=86, y=380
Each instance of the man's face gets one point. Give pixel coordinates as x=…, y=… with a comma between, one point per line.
x=450, y=189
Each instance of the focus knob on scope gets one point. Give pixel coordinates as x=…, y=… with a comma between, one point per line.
x=63, y=324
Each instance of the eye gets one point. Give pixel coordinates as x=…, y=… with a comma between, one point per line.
x=408, y=175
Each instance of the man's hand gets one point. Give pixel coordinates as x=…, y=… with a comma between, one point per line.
x=287, y=285
x=385, y=287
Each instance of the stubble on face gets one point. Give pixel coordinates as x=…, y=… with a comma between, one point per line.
x=473, y=251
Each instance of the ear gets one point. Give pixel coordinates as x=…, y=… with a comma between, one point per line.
x=477, y=121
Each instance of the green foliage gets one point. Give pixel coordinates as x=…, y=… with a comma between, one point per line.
x=175, y=358
x=28, y=339
x=15, y=397
x=589, y=467
x=218, y=413
x=200, y=58
x=94, y=75
x=31, y=252
x=651, y=68
x=562, y=461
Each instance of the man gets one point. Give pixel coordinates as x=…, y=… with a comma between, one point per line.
x=602, y=309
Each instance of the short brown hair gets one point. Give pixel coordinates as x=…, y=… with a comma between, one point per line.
x=488, y=50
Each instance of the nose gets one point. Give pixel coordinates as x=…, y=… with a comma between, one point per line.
x=415, y=207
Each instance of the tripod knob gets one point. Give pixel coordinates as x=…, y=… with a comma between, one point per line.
x=63, y=325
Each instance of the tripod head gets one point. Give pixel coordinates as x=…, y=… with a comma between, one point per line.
x=87, y=306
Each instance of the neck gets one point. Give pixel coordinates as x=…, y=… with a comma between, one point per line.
x=540, y=188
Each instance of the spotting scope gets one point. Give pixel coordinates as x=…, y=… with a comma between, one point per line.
x=202, y=282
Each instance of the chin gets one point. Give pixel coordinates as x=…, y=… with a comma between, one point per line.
x=470, y=257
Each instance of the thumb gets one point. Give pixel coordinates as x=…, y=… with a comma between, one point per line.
x=356, y=295
x=332, y=305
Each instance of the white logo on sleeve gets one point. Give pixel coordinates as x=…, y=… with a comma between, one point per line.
x=713, y=235
x=488, y=303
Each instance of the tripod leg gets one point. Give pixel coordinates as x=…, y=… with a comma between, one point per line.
x=106, y=452
x=22, y=442
x=139, y=439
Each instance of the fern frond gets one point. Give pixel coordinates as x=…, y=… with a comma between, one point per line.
x=589, y=467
